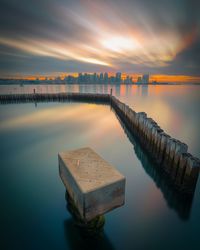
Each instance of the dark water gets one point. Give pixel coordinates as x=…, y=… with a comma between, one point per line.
x=33, y=207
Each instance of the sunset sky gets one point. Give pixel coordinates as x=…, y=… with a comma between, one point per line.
x=134, y=36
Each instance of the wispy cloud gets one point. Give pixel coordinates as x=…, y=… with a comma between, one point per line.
x=113, y=34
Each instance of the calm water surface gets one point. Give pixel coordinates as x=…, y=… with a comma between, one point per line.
x=33, y=207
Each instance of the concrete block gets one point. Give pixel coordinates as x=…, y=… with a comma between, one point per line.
x=94, y=185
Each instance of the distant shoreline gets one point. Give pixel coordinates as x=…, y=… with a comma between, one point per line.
x=22, y=82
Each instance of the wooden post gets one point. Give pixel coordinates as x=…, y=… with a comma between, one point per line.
x=191, y=175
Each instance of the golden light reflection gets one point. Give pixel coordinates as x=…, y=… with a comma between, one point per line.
x=86, y=114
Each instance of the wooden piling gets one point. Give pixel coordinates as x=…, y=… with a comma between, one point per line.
x=191, y=175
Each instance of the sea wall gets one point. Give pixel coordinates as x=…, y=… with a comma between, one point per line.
x=170, y=154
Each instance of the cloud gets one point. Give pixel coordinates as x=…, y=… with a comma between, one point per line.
x=85, y=35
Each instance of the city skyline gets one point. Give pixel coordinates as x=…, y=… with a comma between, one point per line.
x=44, y=37
x=179, y=79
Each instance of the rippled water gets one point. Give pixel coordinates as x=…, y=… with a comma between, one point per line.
x=33, y=206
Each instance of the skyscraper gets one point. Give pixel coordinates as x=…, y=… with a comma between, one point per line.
x=145, y=79
x=105, y=77
x=94, y=77
x=118, y=77
x=101, y=77
x=139, y=80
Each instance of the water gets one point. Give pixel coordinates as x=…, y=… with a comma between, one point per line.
x=33, y=206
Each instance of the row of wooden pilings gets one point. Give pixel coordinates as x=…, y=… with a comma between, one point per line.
x=168, y=153
x=51, y=97
x=176, y=200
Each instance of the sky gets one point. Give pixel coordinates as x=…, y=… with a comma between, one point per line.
x=142, y=36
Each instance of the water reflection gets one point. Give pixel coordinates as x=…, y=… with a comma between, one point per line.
x=181, y=204
x=92, y=228
x=82, y=235
x=144, y=90
x=174, y=200
x=77, y=241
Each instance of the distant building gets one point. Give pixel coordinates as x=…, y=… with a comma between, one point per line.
x=58, y=80
x=128, y=80
x=80, y=78
x=139, y=80
x=118, y=77
x=95, y=77
x=105, y=77
x=145, y=79
x=101, y=77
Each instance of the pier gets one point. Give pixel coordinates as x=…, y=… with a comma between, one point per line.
x=170, y=155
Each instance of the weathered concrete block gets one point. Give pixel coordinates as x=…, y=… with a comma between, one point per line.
x=95, y=186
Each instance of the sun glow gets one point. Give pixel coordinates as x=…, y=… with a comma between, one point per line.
x=120, y=44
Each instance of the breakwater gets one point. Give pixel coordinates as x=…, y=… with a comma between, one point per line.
x=180, y=167
x=178, y=201
x=55, y=97
x=169, y=154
